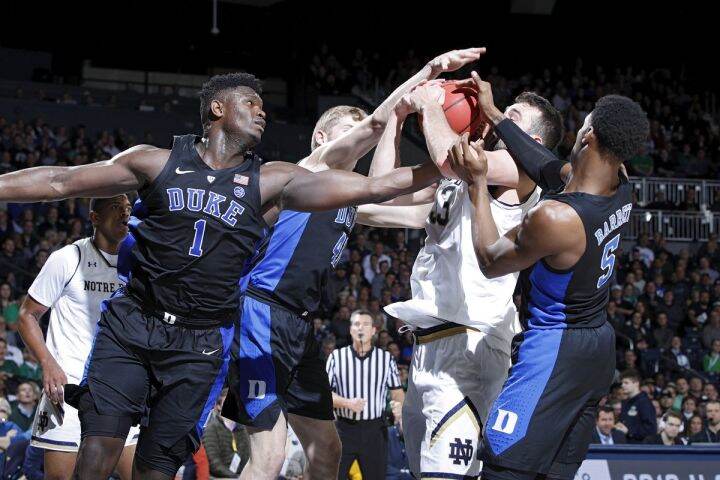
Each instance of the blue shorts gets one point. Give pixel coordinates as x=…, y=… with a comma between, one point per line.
x=541, y=423
x=277, y=369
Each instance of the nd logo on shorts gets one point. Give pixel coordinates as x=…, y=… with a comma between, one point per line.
x=505, y=421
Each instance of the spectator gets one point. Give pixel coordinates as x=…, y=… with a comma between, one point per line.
x=711, y=331
x=9, y=308
x=711, y=361
x=23, y=409
x=8, y=368
x=675, y=357
x=663, y=334
x=711, y=432
x=226, y=443
x=688, y=408
x=605, y=432
x=8, y=430
x=694, y=426
x=670, y=434
x=637, y=419
x=398, y=467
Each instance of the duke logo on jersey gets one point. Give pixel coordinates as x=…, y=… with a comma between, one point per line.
x=193, y=199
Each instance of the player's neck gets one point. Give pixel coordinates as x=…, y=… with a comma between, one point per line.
x=220, y=150
x=104, y=244
x=595, y=175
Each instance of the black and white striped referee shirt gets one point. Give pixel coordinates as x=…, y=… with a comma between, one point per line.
x=368, y=377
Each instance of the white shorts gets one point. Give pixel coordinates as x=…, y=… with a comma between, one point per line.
x=48, y=434
x=456, y=375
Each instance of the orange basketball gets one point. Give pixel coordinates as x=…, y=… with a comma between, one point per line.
x=461, y=108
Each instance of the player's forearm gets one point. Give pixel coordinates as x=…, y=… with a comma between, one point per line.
x=32, y=335
x=484, y=230
x=439, y=137
x=387, y=154
x=37, y=184
x=336, y=189
x=382, y=113
x=393, y=216
x=421, y=197
x=537, y=161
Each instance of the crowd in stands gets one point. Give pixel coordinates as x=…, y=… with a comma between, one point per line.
x=684, y=132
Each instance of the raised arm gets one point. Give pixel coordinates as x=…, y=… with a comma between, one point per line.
x=344, y=152
x=538, y=162
x=332, y=189
x=439, y=137
x=126, y=172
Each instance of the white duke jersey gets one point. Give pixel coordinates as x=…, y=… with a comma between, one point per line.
x=447, y=284
x=73, y=283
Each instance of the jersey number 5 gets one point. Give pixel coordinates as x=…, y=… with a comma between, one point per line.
x=196, y=248
x=608, y=260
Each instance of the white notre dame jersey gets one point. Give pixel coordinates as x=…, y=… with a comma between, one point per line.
x=73, y=283
x=447, y=284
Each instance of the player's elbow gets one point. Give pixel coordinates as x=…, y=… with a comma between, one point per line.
x=487, y=267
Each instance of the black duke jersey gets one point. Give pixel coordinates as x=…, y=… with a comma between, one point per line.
x=191, y=231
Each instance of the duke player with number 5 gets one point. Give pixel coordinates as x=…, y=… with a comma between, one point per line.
x=564, y=361
x=161, y=349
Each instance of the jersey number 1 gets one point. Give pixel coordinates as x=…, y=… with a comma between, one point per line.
x=608, y=260
x=196, y=249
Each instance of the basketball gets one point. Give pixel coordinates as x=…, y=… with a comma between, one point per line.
x=461, y=109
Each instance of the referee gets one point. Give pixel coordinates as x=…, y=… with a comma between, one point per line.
x=360, y=376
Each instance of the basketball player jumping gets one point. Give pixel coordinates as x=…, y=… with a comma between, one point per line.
x=280, y=377
x=72, y=284
x=198, y=219
x=564, y=360
x=463, y=321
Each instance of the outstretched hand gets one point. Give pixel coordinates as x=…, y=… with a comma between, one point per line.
x=455, y=59
x=486, y=103
x=467, y=160
x=424, y=94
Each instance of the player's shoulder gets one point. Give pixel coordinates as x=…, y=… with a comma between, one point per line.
x=71, y=251
x=146, y=151
x=552, y=212
x=554, y=222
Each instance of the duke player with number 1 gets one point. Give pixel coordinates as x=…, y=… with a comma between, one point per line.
x=564, y=361
x=196, y=223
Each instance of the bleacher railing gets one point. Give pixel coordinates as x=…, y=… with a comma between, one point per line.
x=675, y=225
x=675, y=189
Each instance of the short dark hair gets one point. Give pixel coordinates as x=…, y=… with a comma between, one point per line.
x=620, y=125
x=97, y=204
x=631, y=374
x=549, y=125
x=219, y=83
x=604, y=409
x=363, y=311
x=673, y=414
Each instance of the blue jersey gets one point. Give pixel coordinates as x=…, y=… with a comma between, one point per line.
x=191, y=231
x=295, y=259
x=576, y=297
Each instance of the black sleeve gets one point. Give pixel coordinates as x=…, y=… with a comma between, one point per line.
x=537, y=161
